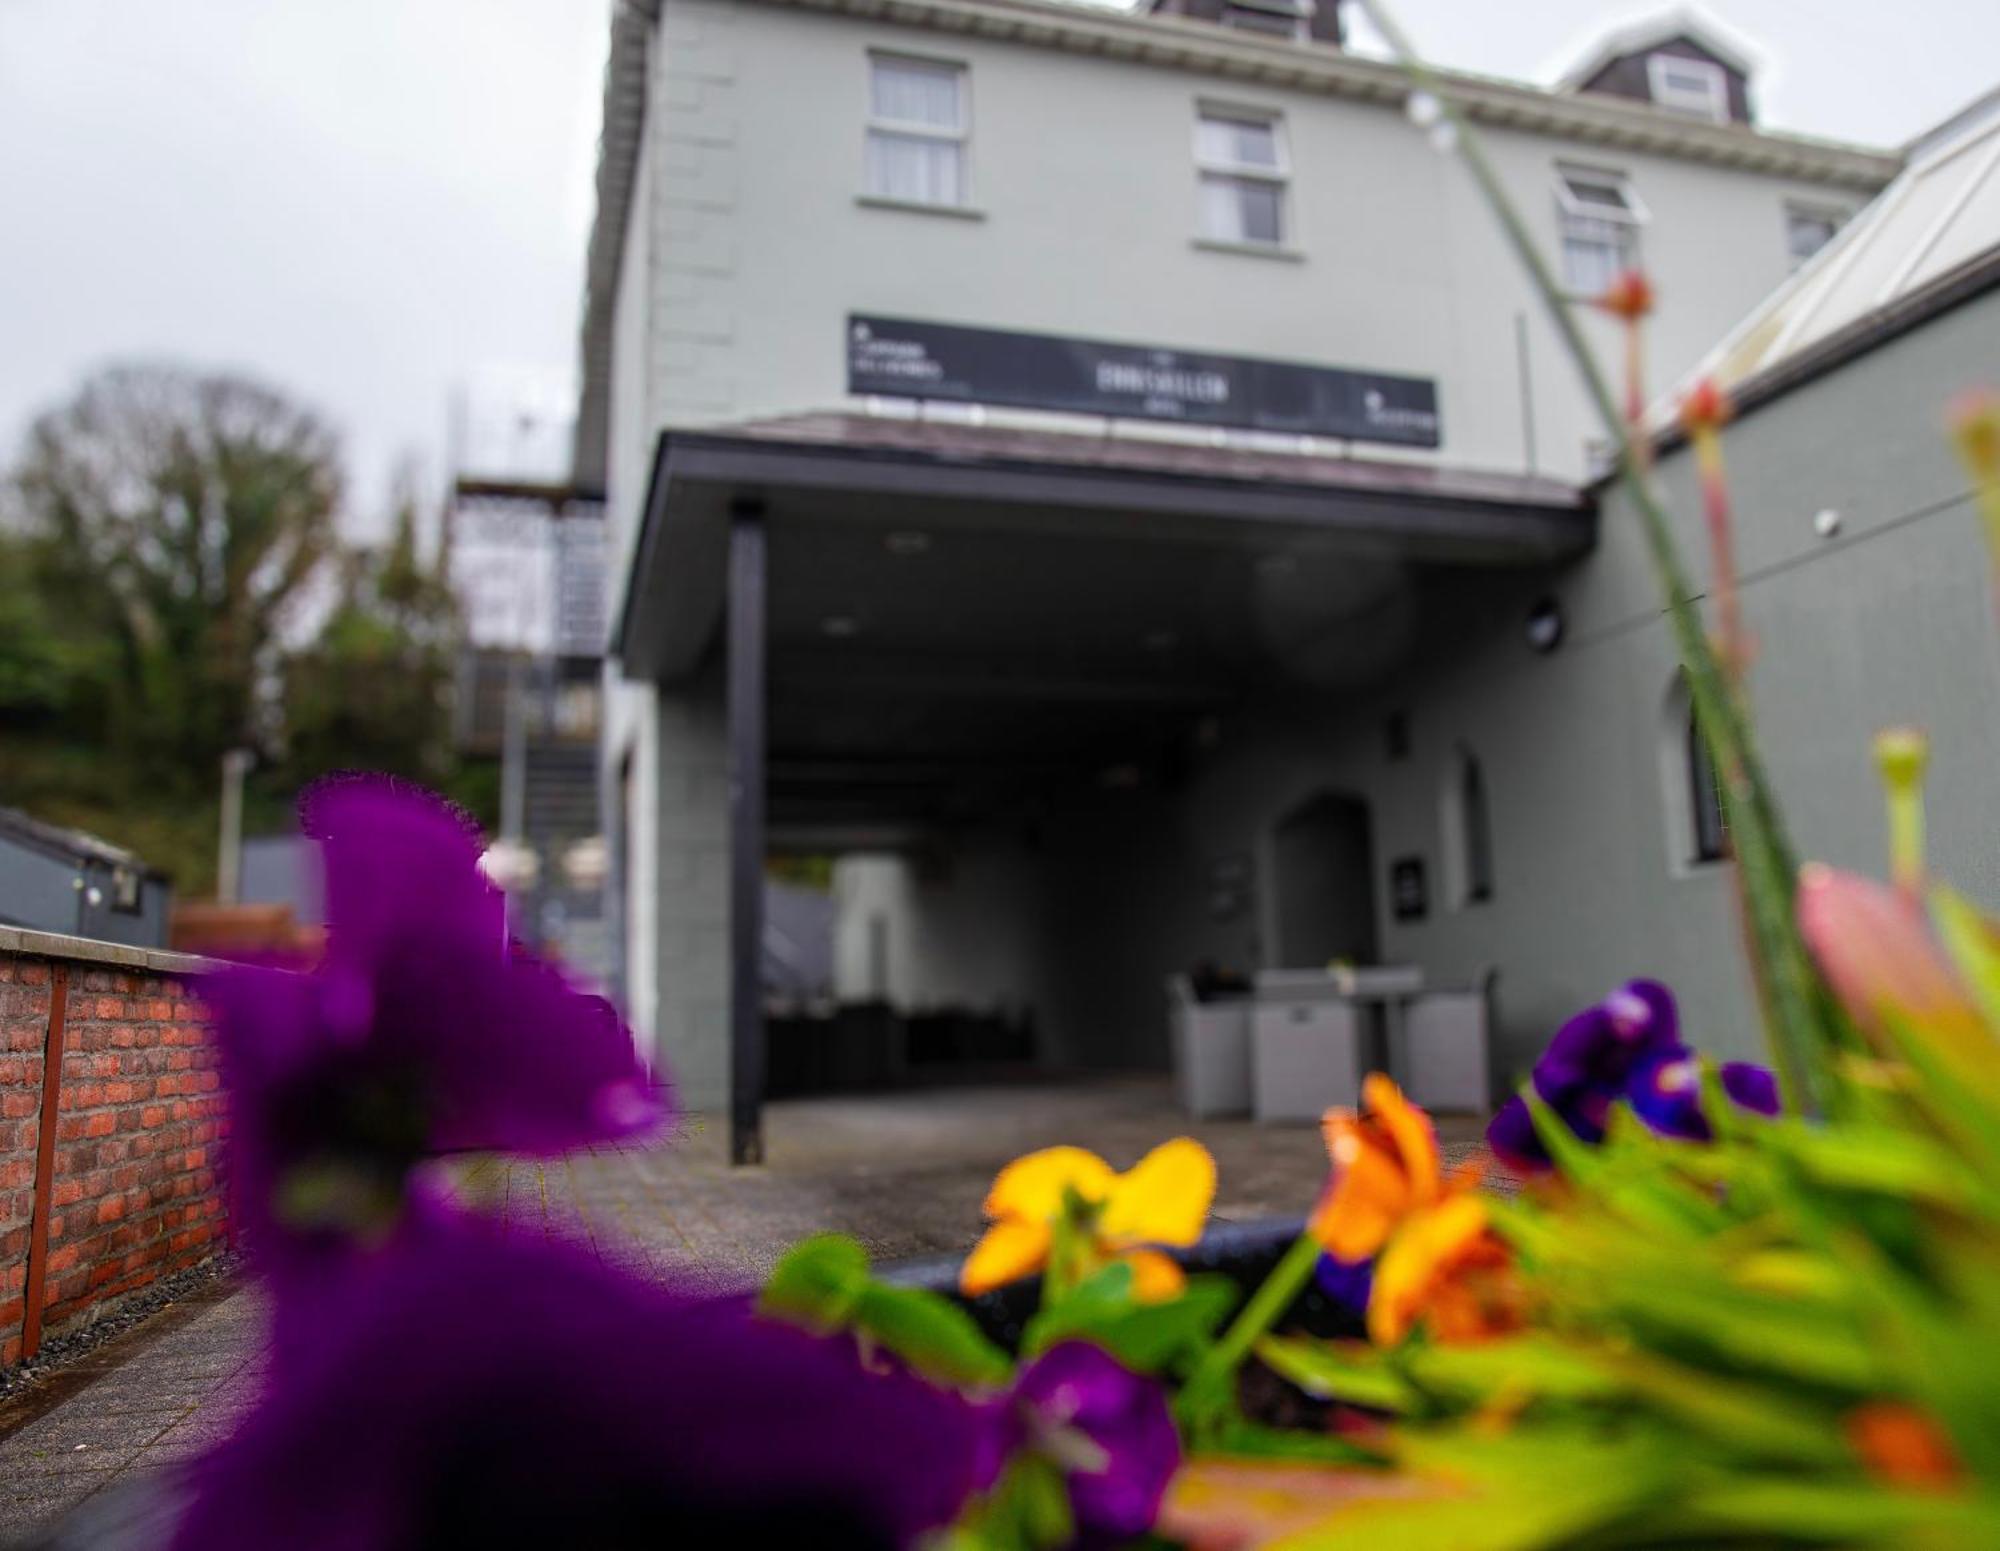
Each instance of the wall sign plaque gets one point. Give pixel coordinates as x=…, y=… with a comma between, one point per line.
x=900, y=358
x=1409, y=891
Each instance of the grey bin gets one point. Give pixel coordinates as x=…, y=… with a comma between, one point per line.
x=1443, y=1062
x=1211, y=1045
x=1305, y=1055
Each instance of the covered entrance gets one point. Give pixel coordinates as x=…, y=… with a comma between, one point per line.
x=1010, y=653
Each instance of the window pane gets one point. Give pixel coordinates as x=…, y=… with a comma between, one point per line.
x=915, y=168
x=1478, y=833
x=1711, y=841
x=1806, y=232
x=1238, y=142
x=1595, y=191
x=1242, y=209
x=911, y=93
x=1590, y=264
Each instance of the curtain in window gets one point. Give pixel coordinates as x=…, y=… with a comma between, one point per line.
x=1237, y=142
x=915, y=168
x=1241, y=209
x=1594, y=252
x=909, y=93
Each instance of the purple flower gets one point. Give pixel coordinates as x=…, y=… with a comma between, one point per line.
x=1666, y=1094
x=469, y=1389
x=1108, y=1429
x=1751, y=1086
x=1347, y=1282
x=1587, y=1067
x=421, y=1031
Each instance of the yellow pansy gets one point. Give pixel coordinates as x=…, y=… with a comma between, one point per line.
x=1162, y=1199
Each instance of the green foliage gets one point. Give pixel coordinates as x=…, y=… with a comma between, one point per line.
x=1146, y=1337
x=824, y=1284
x=372, y=692
x=168, y=539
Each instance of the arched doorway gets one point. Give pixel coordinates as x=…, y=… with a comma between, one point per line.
x=1323, y=878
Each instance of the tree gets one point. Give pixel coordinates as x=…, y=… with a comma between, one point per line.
x=372, y=690
x=173, y=523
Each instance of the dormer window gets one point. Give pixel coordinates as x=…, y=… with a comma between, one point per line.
x=1288, y=19
x=1696, y=87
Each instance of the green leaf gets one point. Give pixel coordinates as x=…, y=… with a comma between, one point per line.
x=824, y=1285
x=817, y=1282
x=1524, y=1368
x=1350, y=1371
x=1146, y=1337
x=1249, y=1440
x=930, y=1333
x=1524, y=1491
x=1847, y=1512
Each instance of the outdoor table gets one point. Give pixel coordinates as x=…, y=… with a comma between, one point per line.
x=1315, y=1035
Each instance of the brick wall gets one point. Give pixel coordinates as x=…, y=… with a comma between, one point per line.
x=127, y=1189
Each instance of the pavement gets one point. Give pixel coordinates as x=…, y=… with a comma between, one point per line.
x=904, y=1173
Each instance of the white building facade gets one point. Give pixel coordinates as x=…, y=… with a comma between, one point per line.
x=1117, y=421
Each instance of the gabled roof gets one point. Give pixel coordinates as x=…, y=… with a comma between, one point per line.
x=1649, y=33
x=1928, y=241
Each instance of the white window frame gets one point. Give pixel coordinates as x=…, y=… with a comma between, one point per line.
x=959, y=134
x=1712, y=103
x=1584, y=220
x=1298, y=12
x=1801, y=210
x=1277, y=176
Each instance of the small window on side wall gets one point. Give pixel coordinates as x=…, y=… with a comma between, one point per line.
x=1808, y=228
x=1697, y=831
x=1468, y=832
x=1707, y=834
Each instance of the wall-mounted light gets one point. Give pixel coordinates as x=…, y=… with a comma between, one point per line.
x=1826, y=522
x=1544, y=628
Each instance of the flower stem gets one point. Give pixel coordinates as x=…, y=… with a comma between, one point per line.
x=1806, y=1030
x=1287, y=1279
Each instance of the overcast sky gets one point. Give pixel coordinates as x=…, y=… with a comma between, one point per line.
x=375, y=203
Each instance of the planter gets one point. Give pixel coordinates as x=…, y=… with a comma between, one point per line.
x=138, y=1515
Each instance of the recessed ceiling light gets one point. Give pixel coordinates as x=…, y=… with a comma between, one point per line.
x=1160, y=640
x=840, y=626
x=1277, y=565
x=908, y=541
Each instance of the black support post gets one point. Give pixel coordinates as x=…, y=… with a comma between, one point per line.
x=746, y=832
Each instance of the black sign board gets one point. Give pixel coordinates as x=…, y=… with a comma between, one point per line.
x=1409, y=893
x=896, y=358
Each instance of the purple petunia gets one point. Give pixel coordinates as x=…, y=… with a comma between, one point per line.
x=1626, y=1047
x=475, y=1390
x=1107, y=1428
x=1347, y=1282
x=421, y=1031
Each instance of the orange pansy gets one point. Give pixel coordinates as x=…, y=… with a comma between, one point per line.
x=1385, y=1166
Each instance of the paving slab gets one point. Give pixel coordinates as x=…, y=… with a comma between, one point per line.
x=903, y=1172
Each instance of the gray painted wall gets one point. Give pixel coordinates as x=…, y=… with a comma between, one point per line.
x=1890, y=621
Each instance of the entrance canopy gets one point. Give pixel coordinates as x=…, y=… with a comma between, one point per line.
x=957, y=616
